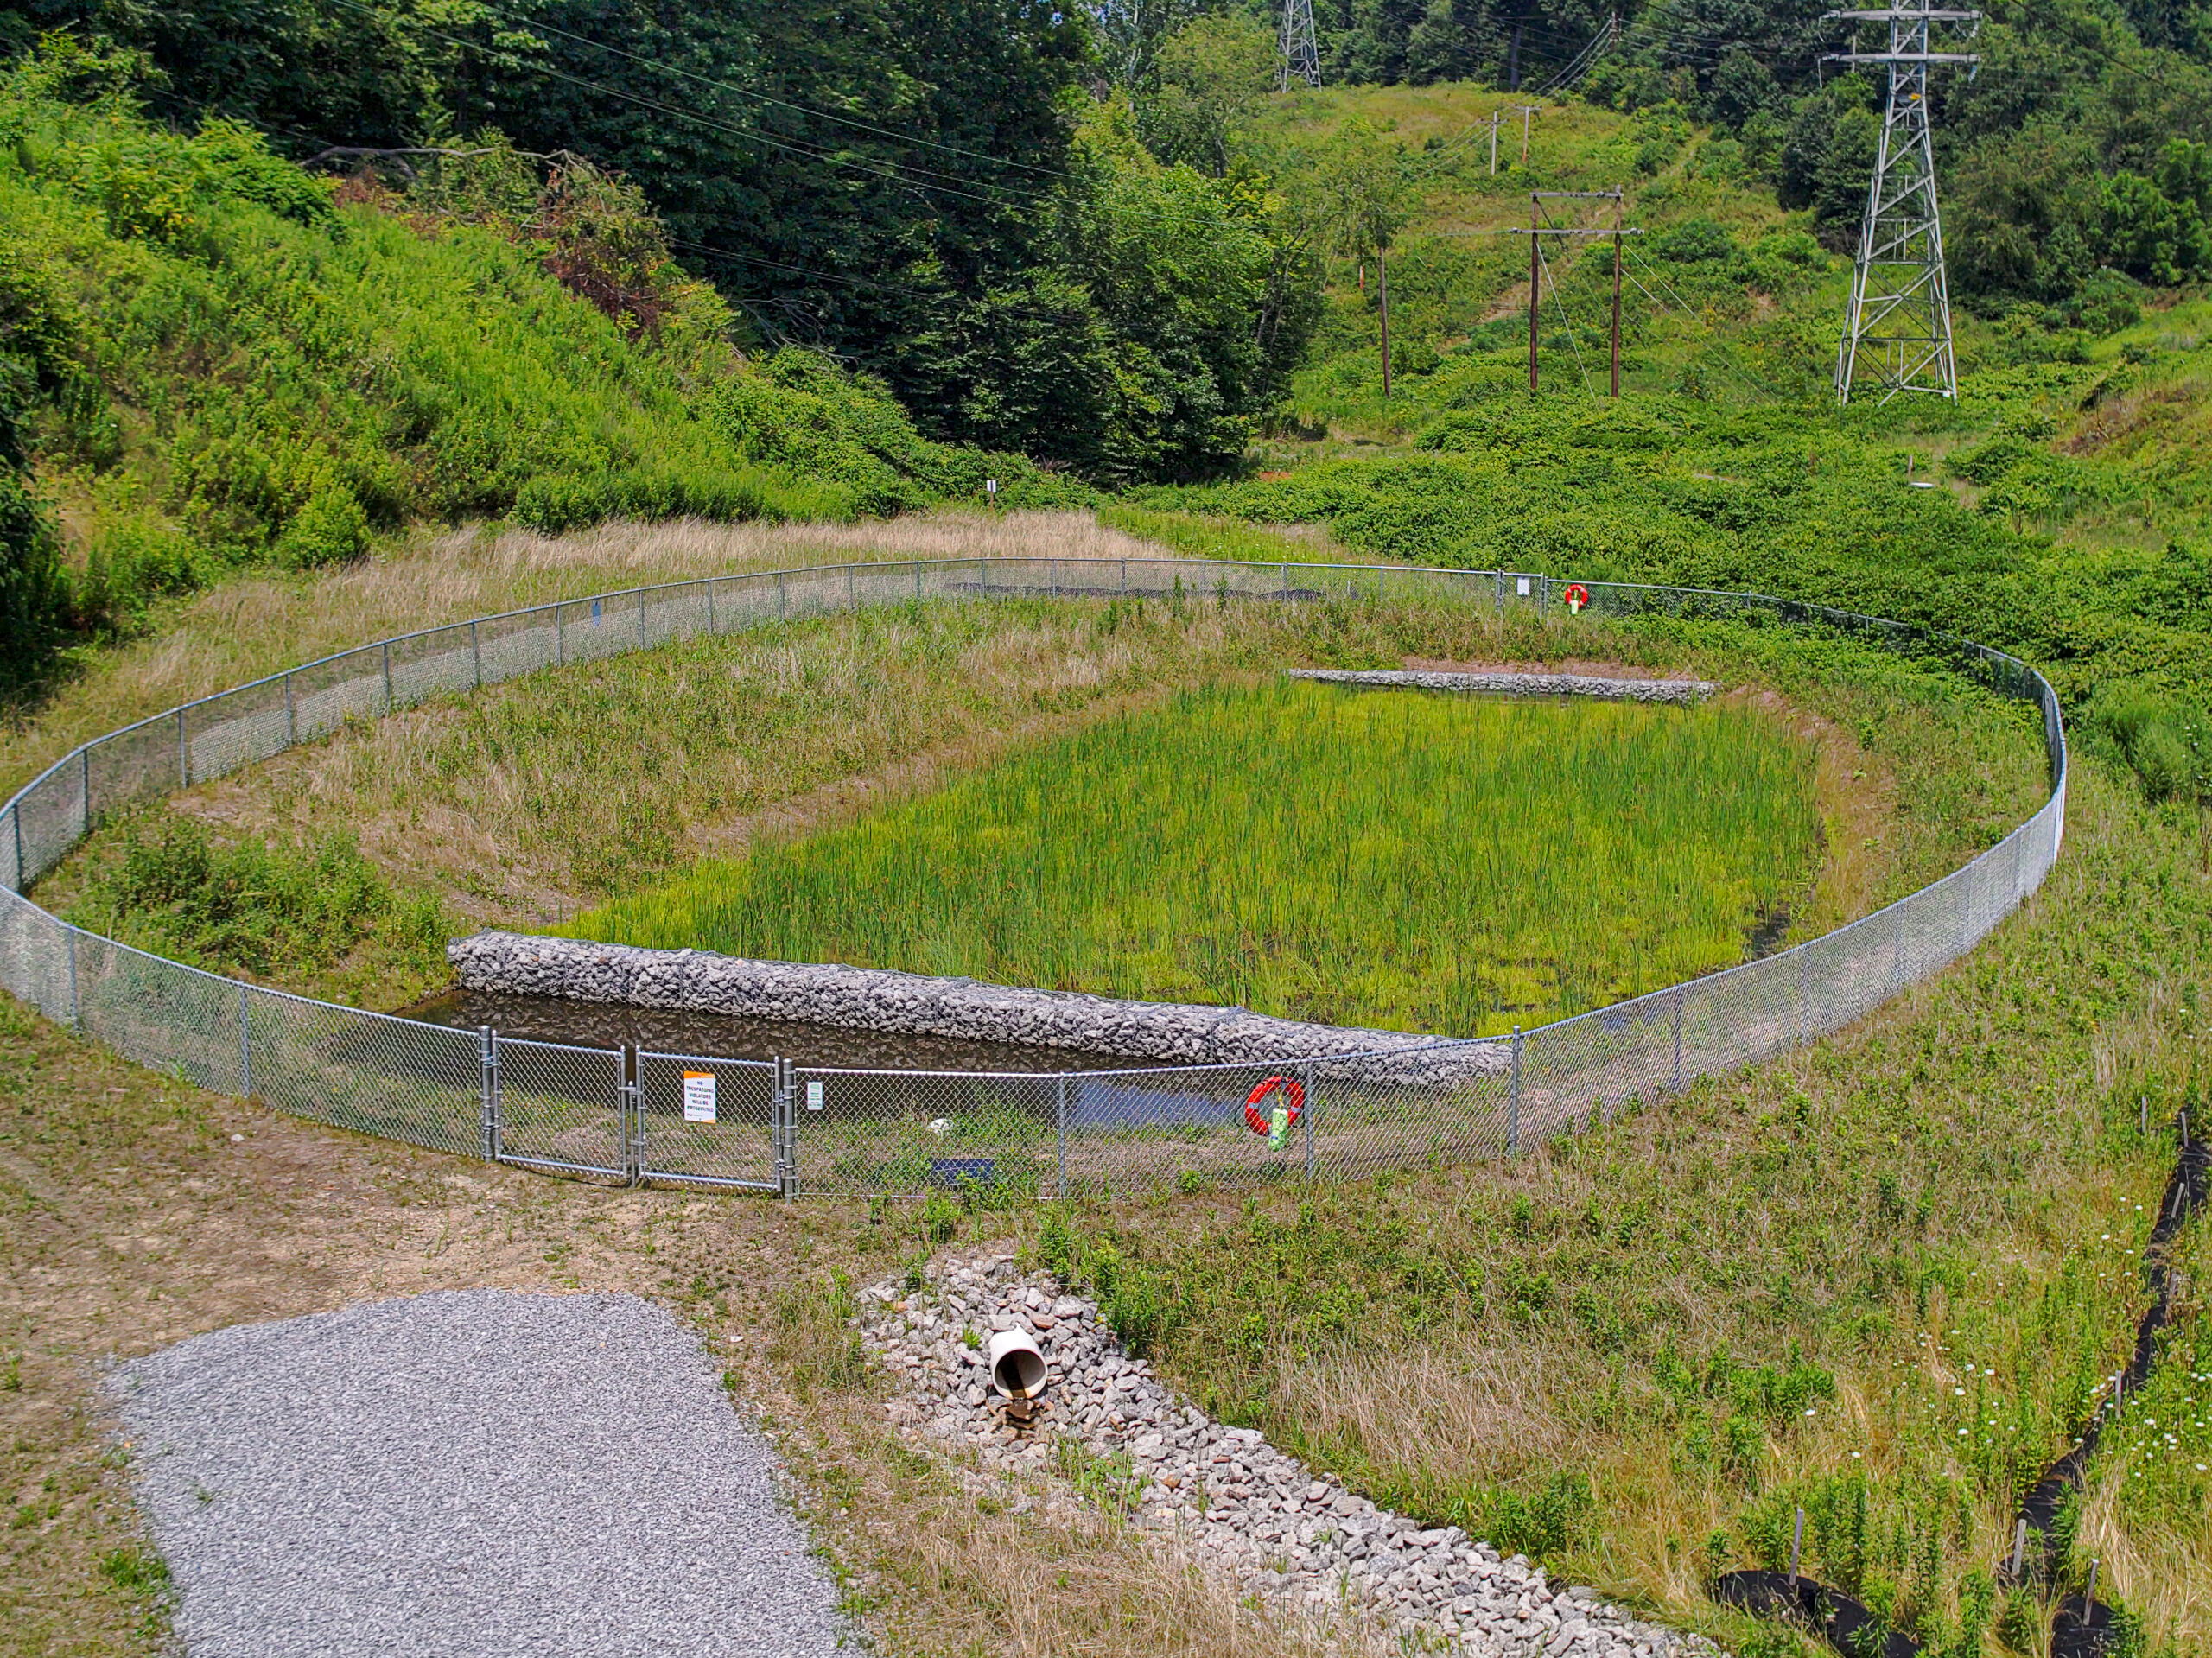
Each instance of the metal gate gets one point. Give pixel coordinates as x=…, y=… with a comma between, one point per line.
x=716, y=1123
x=548, y=1105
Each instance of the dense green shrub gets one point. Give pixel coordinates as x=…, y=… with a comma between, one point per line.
x=2167, y=738
x=262, y=910
x=806, y=417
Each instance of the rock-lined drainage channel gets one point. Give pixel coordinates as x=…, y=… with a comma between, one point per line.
x=2082, y=1626
x=468, y=1473
x=1107, y=1431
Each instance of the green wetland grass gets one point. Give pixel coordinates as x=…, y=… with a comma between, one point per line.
x=1413, y=861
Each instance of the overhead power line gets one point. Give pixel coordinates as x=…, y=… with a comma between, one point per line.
x=757, y=96
x=890, y=174
x=877, y=282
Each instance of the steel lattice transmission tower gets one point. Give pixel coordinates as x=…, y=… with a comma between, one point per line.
x=1897, y=331
x=1302, y=45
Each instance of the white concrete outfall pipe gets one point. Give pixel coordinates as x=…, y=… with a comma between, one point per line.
x=1018, y=1368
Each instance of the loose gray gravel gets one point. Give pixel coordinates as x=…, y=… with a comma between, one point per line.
x=475, y=1473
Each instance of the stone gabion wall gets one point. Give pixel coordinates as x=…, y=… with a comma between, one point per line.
x=869, y=999
x=1512, y=684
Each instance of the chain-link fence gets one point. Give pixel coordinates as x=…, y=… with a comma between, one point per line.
x=624, y=1115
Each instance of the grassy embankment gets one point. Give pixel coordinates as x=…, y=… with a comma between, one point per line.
x=1457, y=1342
x=252, y=368
x=1882, y=1279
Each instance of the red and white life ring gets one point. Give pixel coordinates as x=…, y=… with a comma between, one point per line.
x=1577, y=596
x=1293, y=1099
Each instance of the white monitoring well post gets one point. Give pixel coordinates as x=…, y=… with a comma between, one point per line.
x=1018, y=1368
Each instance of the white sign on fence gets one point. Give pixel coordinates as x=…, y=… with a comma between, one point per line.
x=813, y=1096
x=698, y=1096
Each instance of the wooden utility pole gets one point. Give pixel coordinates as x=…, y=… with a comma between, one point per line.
x=1528, y=114
x=1495, y=116
x=1534, y=212
x=1618, y=196
x=1383, y=283
x=1537, y=227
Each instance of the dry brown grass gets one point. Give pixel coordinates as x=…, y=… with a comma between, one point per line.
x=2145, y=1517
x=262, y=621
x=1466, y=1401
x=2160, y=1567
x=521, y=805
x=959, y=1572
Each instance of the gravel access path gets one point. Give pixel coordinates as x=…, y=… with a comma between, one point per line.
x=475, y=1473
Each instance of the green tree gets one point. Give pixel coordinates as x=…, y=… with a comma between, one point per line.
x=1176, y=306
x=1455, y=39
x=39, y=342
x=1358, y=192
x=2024, y=213
x=1827, y=154
x=2152, y=237
x=1215, y=72
x=843, y=171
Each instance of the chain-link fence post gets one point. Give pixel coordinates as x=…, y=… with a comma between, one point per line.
x=388, y=703
x=785, y=1130
x=76, y=1007
x=1060, y=1185
x=1680, y=996
x=246, y=1043
x=489, y=1043
x=1313, y=1103
x=1513, y=1100
x=475, y=659
x=633, y=1127
x=183, y=767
